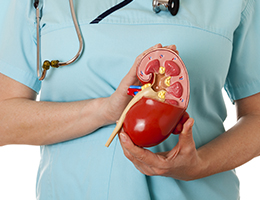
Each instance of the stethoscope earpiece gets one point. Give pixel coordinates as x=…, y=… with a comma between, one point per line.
x=171, y=5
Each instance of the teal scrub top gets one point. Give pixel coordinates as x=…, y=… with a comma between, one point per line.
x=218, y=41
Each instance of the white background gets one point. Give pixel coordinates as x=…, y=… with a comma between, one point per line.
x=18, y=170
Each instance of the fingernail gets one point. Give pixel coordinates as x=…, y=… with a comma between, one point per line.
x=123, y=137
x=190, y=123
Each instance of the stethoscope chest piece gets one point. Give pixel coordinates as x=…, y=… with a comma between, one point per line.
x=171, y=5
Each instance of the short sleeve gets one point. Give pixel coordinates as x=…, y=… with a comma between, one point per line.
x=18, y=43
x=243, y=78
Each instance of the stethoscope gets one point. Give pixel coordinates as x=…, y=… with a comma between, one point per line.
x=158, y=5
x=55, y=63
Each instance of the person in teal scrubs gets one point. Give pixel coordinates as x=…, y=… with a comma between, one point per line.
x=80, y=103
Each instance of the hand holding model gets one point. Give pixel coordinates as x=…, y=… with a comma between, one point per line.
x=187, y=162
x=182, y=162
x=157, y=106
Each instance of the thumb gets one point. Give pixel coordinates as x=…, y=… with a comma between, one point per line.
x=185, y=137
x=186, y=142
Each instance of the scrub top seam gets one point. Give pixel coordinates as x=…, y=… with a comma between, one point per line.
x=234, y=90
x=137, y=24
x=245, y=13
x=111, y=168
x=30, y=81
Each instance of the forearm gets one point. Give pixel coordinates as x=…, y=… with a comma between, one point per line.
x=26, y=121
x=233, y=148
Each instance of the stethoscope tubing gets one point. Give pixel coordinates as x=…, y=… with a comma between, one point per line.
x=80, y=38
x=72, y=10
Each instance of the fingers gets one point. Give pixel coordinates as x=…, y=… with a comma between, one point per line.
x=133, y=152
x=173, y=48
x=131, y=78
x=179, y=127
x=164, y=163
x=138, y=59
x=144, y=160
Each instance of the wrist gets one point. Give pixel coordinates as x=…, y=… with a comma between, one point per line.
x=106, y=115
x=113, y=107
x=203, y=169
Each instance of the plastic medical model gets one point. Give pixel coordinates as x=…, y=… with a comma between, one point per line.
x=158, y=105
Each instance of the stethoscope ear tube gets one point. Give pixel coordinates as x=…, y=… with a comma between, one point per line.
x=36, y=4
x=80, y=38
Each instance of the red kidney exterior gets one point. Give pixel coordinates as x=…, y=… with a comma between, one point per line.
x=149, y=122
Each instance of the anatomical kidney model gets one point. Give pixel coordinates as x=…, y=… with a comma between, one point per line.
x=157, y=106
